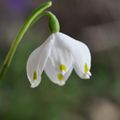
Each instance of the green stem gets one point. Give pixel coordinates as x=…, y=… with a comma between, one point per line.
x=38, y=13
x=53, y=21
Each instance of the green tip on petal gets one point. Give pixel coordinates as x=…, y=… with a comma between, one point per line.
x=60, y=77
x=35, y=75
x=86, y=69
x=62, y=68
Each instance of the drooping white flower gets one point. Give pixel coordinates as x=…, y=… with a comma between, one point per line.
x=57, y=56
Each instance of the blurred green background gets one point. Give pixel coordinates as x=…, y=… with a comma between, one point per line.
x=95, y=22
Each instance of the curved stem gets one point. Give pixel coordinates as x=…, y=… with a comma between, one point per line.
x=53, y=21
x=33, y=18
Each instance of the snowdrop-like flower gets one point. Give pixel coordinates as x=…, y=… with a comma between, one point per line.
x=57, y=56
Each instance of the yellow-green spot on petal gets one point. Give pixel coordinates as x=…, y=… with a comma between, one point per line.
x=60, y=77
x=35, y=75
x=86, y=69
x=62, y=68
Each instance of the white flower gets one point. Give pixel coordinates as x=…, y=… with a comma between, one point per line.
x=57, y=56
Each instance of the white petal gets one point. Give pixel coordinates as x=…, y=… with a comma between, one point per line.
x=60, y=56
x=80, y=52
x=37, y=61
x=55, y=76
x=82, y=59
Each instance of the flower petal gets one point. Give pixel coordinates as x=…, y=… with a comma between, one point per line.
x=56, y=76
x=82, y=60
x=60, y=57
x=80, y=53
x=37, y=60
